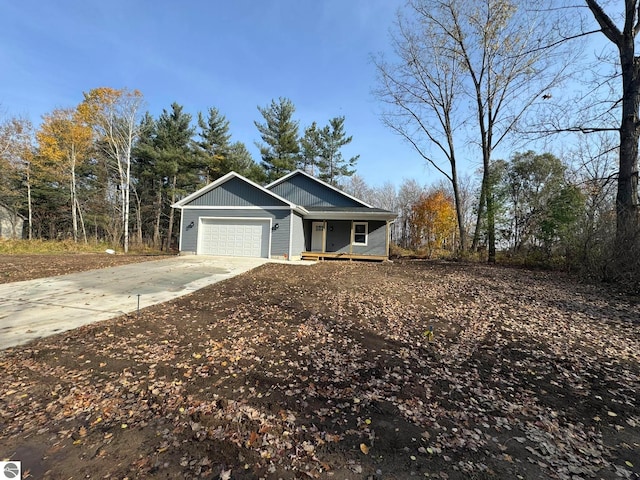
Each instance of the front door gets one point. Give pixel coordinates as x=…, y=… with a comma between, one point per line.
x=317, y=231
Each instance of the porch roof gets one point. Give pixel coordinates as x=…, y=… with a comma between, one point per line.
x=348, y=213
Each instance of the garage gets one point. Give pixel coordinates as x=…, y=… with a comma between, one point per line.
x=238, y=237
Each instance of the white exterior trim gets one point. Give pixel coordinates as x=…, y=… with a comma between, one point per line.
x=181, y=230
x=324, y=215
x=226, y=178
x=366, y=234
x=248, y=207
x=261, y=219
x=291, y=221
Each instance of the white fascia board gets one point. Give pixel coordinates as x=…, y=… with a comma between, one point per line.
x=225, y=178
x=246, y=207
x=302, y=211
x=349, y=216
x=205, y=189
x=302, y=172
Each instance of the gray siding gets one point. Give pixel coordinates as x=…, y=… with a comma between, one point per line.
x=339, y=238
x=235, y=193
x=376, y=242
x=304, y=191
x=297, y=239
x=279, y=236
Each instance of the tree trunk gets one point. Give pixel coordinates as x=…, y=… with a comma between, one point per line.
x=456, y=199
x=74, y=212
x=29, y=206
x=627, y=195
x=138, y=218
x=84, y=230
x=627, y=222
x=156, y=229
x=481, y=205
x=126, y=201
x=173, y=200
x=491, y=227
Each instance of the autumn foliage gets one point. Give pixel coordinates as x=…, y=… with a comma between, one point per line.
x=433, y=222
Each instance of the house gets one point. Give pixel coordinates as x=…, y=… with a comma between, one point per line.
x=11, y=223
x=297, y=216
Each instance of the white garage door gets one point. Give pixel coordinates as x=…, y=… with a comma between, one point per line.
x=238, y=237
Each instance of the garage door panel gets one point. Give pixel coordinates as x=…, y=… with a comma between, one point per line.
x=234, y=237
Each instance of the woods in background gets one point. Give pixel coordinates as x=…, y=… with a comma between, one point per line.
x=104, y=171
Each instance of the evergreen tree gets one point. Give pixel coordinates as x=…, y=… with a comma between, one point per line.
x=241, y=161
x=148, y=183
x=280, y=150
x=214, y=144
x=332, y=165
x=310, y=149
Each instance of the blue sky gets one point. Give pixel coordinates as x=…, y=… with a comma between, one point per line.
x=234, y=55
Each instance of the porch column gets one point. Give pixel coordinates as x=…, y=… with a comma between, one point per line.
x=388, y=242
x=351, y=239
x=324, y=236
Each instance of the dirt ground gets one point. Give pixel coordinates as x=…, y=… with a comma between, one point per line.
x=331, y=371
x=16, y=268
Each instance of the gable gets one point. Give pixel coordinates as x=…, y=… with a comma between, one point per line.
x=234, y=192
x=306, y=191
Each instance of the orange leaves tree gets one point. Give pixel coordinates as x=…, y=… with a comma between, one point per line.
x=433, y=222
x=114, y=115
x=65, y=139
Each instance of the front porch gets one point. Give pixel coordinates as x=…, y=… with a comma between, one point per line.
x=346, y=239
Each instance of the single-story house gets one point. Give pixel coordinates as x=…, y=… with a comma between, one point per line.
x=11, y=223
x=297, y=216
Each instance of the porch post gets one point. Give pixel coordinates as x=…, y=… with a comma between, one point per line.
x=351, y=239
x=324, y=236
x=388, y=242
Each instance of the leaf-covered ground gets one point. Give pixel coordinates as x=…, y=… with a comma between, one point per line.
x=328, y=371
x=16, y=268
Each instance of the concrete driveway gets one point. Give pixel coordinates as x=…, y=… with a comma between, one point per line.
x=38, y=308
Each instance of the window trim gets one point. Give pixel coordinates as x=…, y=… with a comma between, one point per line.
x=366, y=234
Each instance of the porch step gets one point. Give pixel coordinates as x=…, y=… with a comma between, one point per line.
x=341, y=256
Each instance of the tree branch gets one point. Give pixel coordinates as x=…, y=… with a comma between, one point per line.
x=609, y=28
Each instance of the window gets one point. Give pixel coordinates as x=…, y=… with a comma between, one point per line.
x=360, y=233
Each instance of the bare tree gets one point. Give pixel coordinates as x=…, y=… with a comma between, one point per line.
x=422, y=90
x=408, y=194
x=16, y=157
x=624, y=38
x=357, y=186
x=461, y=60
x=115, y=116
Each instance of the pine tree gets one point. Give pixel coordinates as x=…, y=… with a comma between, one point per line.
x=241, y=161
x=280, y=150
x=177, y=156
x=332, y=165
x=214, y=144
x=310, y=149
